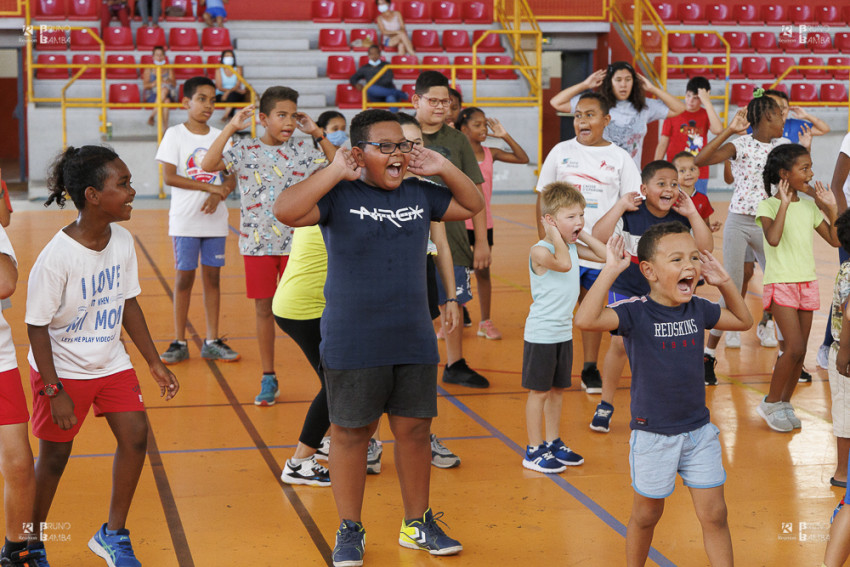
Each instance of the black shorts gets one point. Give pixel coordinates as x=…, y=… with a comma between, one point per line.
x=547, y=366
x=471, y=234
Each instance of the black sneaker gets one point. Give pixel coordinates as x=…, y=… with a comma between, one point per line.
x=467, y=320
x=709, y=362
x=461, y=374
x=591, y=380
x=805, y=377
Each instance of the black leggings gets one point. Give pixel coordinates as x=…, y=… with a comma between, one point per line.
x=232, y=97
x=307, y=335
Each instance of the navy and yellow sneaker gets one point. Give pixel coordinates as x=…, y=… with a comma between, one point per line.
x=427, y=535
x=350, y=544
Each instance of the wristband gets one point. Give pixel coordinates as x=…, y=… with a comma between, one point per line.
x=319, y=139
x=452, y=299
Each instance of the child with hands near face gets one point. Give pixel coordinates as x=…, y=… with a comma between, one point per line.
x=688, y=176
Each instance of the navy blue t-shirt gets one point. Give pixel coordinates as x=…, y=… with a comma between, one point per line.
x=634, y=224
x=665, y=349
x=376, y=290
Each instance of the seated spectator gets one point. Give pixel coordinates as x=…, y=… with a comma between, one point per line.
x=391, y=25
x=149, y=10
x=169, y=84
x=383, y=90
x=111, y=9
x=228, y=87
x=214, y=14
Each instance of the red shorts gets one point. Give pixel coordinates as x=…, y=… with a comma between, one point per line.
x=119, y=392
x=13, y=403
x=802, y=296
x=262, y=274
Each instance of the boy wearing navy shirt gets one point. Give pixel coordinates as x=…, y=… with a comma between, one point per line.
x=671, y=428
x=379, y=352
x=631, y=217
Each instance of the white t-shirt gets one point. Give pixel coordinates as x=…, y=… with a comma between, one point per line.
x=603, y=174
x=747, y=170
x=186, y=151
x=845, y=149
x=79, y=294
x=8, y=360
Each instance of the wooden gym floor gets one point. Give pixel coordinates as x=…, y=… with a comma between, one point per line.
x=210, y=493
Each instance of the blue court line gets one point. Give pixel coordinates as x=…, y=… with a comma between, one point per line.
x=585, y=500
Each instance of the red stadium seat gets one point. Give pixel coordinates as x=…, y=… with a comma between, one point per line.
x=838, y=73
x=680, y=42
x=842, y=42
x=739, y=42
x=409, y=89
x=764, y=42
x=755, y=67
x=833, y=92
x=364, y=60
x=803, y=92
x=415, y=12
x=672, y=72
x=692, y=14
x=348, y=97
x=91, y=72
x=778, y=66
x=215, y=39
x=445, y=12
x=437, y=60
x=357, y=12
x=188, y=15
x=325, y=12
x=651, y=41
x=124, y=93
x=188, y=72
x=741, y=94
x=83, y=40
x=666, y=12
x=490, y=44
x=718, y=14
x=183, y=39
x=363, y=38
x=780, y=87
x=814, y=74
x=774, y=14
x=50, y=10
x=820, y=42
x=508, y=74
x=119, y=59
x=696, y=60
x=51, y=40
x=333, y=40
x=340, y=67
x=149, y=37
x=211, y=60
x=52, y=59
x=83, y=10
x=456, y=40
x=801, y=14
x=426, y=40
x=118, y=39
x=794, y=43
x=829, y=15
x=407, y=73
x=476, y=12
x=746, y=15
x=466, y=74
x=734, y=68
x=708, y=43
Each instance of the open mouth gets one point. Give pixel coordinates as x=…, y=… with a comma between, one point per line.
x=576, y=234
x=666, y=200
x=394, y=169
x=686, y=285
x=286, y=133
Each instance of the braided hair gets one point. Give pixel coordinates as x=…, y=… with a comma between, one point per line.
x=76, y=169
x=779, y=158
x=759, y=107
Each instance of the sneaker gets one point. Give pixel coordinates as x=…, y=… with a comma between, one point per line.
x=467, y=320
x=177, y=352
x=441, y=457
x=766, y=332
x=709, y=362
x=350, y=544
x=733, y=339
x=775, y=416
x=324, y=449
x=563, y=453
x=426, y=534
x=541, y=459
x=792, y=417
x=307, y=472
x=37, y=554
x=461, y=374
x=115, y=548
x=805, y=377
x=823, y=357
x=24, y=557
x=488, y=330
x=268, y=391
x=601, y=421
x=373, y=456
x=591, y=380
x=218, y=350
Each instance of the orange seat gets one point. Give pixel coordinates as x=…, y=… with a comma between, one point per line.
x=363, y=38
x=405, y=60
x=149, y=37
x=503, y=74
x=215, y=39
x=333, y=40
x=739, y=42
x=357, y=12
x=188, y=72
x=325, y=11
x=348, y=97
x=83, y=10
x=679, y=42
x=52, y=40
x=91, y=72
x=445, y=12
x=718, y=14
x=746, y=15
x=340, y=67
x=833, y=92
x=118, y=39
x=120, y=59
x=692, y=14
x=779, y=64
x=437, y=60
x=490, y=44
x=52, y=59
x=50, y=10
x=183, y=39
x=415, y=12
x=456, y=40
x=188, y=15
x=708, y=43
x=124, y=93
x=755, y=67
x=814, y=74
x=466, y=74
x=476, y=12
x=426, y=40
x=803, y=92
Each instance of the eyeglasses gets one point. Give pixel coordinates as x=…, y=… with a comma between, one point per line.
x=389, y=147
x=435, y=102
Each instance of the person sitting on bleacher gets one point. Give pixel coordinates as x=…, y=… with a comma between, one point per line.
x=391, y=24
x=384, y=89
x=168, y=82
x=114, y=9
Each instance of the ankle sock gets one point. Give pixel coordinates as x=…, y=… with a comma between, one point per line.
x=11, y=547
x=710, y=351
x=296, y=462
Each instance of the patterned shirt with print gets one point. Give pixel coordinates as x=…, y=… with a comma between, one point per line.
x=840, y=295
x=747, y=168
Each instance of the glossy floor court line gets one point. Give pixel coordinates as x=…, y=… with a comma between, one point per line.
x=210, y=495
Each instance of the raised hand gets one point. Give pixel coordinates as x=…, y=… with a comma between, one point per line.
x=825, y=198
x=739, y=121
x=242, y=119
x=346, y=163
x=648, y=86
x=306, y=124
x=595, y=79
x=712, y=270
x=425, y=162
x=784, y=192
x=684, y=205
x=552, y=232
x=704, y=96
x=806, y=136
x=715, y=226
x=498, y=131
x=630, y=201
x=800, y=113
x=616, y=256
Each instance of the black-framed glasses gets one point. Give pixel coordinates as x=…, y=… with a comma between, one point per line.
x=389, y=147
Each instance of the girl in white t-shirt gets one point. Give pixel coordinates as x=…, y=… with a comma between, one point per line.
x=82, y=291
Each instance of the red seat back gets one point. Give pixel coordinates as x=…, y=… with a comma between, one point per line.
x=829, y=15
x=50, y=10
x=348, y=97
x=801, y=14
x=755, y=67
x=734, y=68
x=415, y=12
x=718, y=13
x=211, y=60
x=340, y=67
x=124, y=93
x=332, y=40
x=445, y=12
x=803, y=92
x=118, y=59
x=325, y=11
x=833, y=92
x=83, y=40
x=425, y=40
x=466, y=74
x=476, y=12
x=739, y=42
x=83, y=10
x=651, y=41
x=183, y=39
x=692, y=14
x=678, y=42
x=188, y=72
x=672, y=72
x=666, y=12
x=52, y=59
x=779, y=64
x=51, y=40
x=149, y=37
x=814, y=73
x=437, y=60
x=764, y=42
x=745, y=14
x=188, y=15
x=820, y=42
x=357, y=12
x=499, y=73
x=405, y=60
x=363, y=38
x=118, y=38
x=838, y=73
x=708, y=43
x=774, y=14
x=696, y=60
x=490, y=44
x=215, y=39
x=456, y=40
x=741, y=94
x=91, y=72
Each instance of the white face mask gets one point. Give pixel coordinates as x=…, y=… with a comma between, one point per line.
x=383, y=8
x=157, y=62
x=374, y=63
x=227, y=60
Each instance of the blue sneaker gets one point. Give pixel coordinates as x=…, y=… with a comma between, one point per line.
x=602, y=418
x=27, y=557
x=268, y=391
x=427, y=535
x=115, y=547
x=540, y=459
x=563, y=453
x=350, y=544
x=37, y=554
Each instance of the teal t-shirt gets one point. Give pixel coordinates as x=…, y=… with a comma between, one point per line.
x=554, y=296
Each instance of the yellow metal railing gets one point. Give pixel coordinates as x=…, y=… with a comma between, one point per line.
x=17, y=12
x=793, y=68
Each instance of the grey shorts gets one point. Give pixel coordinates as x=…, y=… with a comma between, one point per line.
x=358, y=397
x=547, y=366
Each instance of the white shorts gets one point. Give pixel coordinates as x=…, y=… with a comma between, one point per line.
x=839, y=386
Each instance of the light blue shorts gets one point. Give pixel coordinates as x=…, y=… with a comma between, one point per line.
x=655, y=459
x=188, y=248
x=462, y=283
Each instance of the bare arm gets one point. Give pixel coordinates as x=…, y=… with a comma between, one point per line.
x=717, y=150
x=702, y=233
x=542, y=259
x=561, y=101
x=169, y=175
x=605, y=227
x=516, y=155
x=736, y=316
x=819, y=127
x=61, y=406
x=8, y=276
x=593, y=250
x=715, y=126
x=842, y=360
x=213, y=159
x=675, y=106
x=593, y=313
x=445, y=268
x=661, y=148
x=839, y=177
x=137, y=328
x=467, y=199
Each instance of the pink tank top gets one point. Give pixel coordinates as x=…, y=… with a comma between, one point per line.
x=486, y=167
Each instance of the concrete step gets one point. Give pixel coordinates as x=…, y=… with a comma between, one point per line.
x=255, y=72
x=275, y=45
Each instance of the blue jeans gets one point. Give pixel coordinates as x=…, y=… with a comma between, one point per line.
x=377, y=93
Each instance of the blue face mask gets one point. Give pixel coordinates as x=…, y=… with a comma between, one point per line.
x=337, y=138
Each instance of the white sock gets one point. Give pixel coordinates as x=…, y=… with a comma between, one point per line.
x=710, y=351
x=296, y=462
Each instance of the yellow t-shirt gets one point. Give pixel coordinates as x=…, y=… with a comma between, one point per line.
x=300, y=293
x=793, y=260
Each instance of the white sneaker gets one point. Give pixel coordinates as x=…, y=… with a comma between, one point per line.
x=823, y=357
x=776, y=416
x=324, y=449
x=307, y=472
x=792, y=417
x=767, y=334
x=733, y=339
